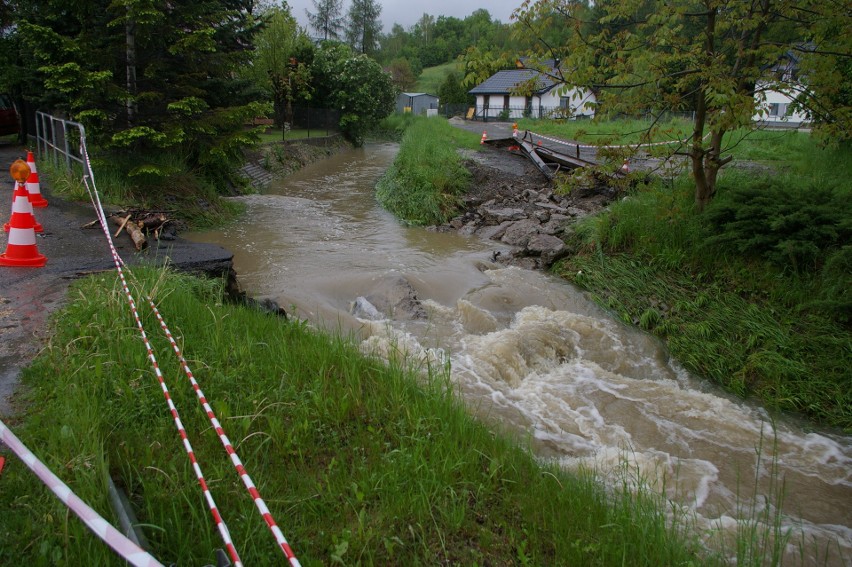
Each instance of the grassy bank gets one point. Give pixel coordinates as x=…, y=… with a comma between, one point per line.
x=184, y=196
x=358, y=462
x=426, y=182
x=755, y=292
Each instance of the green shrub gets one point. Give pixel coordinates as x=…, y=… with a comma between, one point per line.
x=792, y=226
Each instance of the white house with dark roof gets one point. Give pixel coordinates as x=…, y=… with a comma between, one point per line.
x=497, y=97
x=775, y=96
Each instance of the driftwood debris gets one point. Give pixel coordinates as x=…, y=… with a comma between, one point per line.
x=139, y=223
x=132, y=228
x=122, y=225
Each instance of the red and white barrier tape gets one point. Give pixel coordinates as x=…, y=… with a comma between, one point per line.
x=241, y=471
x=217, y=518
x=128, y=550
x=235, y=459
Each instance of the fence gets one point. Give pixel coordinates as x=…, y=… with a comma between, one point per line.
x=60, y=140
x=320, y=121
x=537, y=112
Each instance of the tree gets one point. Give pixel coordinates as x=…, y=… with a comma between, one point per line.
x=826, y=69
x=453, y=92
x=280, y=62
x=707, y=56
x=401, y=74
x=364, y=27
x=479, y=65
x=423, y=29
x=328, y=18
x=354, y=84
x=173, y=93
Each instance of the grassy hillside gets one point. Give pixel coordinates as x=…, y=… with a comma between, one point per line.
x=431, y=78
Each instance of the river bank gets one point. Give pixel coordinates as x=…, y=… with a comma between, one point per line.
x=303, y=212
x=526, y=352
x=766, y=334
x=30, y=296
x=358, y=461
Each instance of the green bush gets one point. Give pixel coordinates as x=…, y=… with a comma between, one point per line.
x=792, y=226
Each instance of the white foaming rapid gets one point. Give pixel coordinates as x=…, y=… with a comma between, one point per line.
x=532, y=354
x=592, y=393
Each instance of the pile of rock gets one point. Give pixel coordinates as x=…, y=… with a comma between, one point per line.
x=533, y=221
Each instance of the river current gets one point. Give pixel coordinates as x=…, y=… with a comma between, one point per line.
x=536, y=356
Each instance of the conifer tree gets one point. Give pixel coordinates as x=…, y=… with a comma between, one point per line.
x=328, y=18
x=364, y=29
x=145, y=77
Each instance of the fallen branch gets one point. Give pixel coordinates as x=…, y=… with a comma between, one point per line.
x=121, y=226
x=139, y=240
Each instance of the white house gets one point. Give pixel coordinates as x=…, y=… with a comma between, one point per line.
x=497, y=97
x=774, y=99
x=774, y=104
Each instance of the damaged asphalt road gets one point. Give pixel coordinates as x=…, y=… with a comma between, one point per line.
x=28, y=296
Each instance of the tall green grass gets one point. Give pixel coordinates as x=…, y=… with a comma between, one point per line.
x=753, y=294
x=68, y=183
x=427, y=181
x=360, y=463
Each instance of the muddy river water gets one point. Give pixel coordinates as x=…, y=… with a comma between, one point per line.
x=535, y=355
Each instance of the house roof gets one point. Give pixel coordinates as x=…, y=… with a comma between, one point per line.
x=418, y=94
x=505, y=82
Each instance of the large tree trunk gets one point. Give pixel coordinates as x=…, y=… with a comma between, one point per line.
x=696, y=153
x=705, y=163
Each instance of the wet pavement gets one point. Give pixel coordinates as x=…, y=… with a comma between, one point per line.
x=28, y=296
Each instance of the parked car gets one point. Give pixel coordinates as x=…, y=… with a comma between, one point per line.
x=9, y=122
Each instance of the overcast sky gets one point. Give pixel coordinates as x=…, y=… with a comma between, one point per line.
x=407, y=12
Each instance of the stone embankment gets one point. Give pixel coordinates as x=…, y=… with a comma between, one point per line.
x=275, y=160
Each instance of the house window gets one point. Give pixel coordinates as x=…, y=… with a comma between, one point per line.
x=778, y=109
x=486, y=99
x=565, y=102
x=505, y=102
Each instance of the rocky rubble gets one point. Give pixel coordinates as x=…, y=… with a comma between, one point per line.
x=511, y=202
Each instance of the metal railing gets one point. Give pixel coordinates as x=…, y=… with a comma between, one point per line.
x=506, y=113
x=60, y=140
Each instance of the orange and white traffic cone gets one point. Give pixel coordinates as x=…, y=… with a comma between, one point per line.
x=21, y=250
x=484, y=137
x=36, y=225
x=20, y=172
x=33, y=185
x=625, y=167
